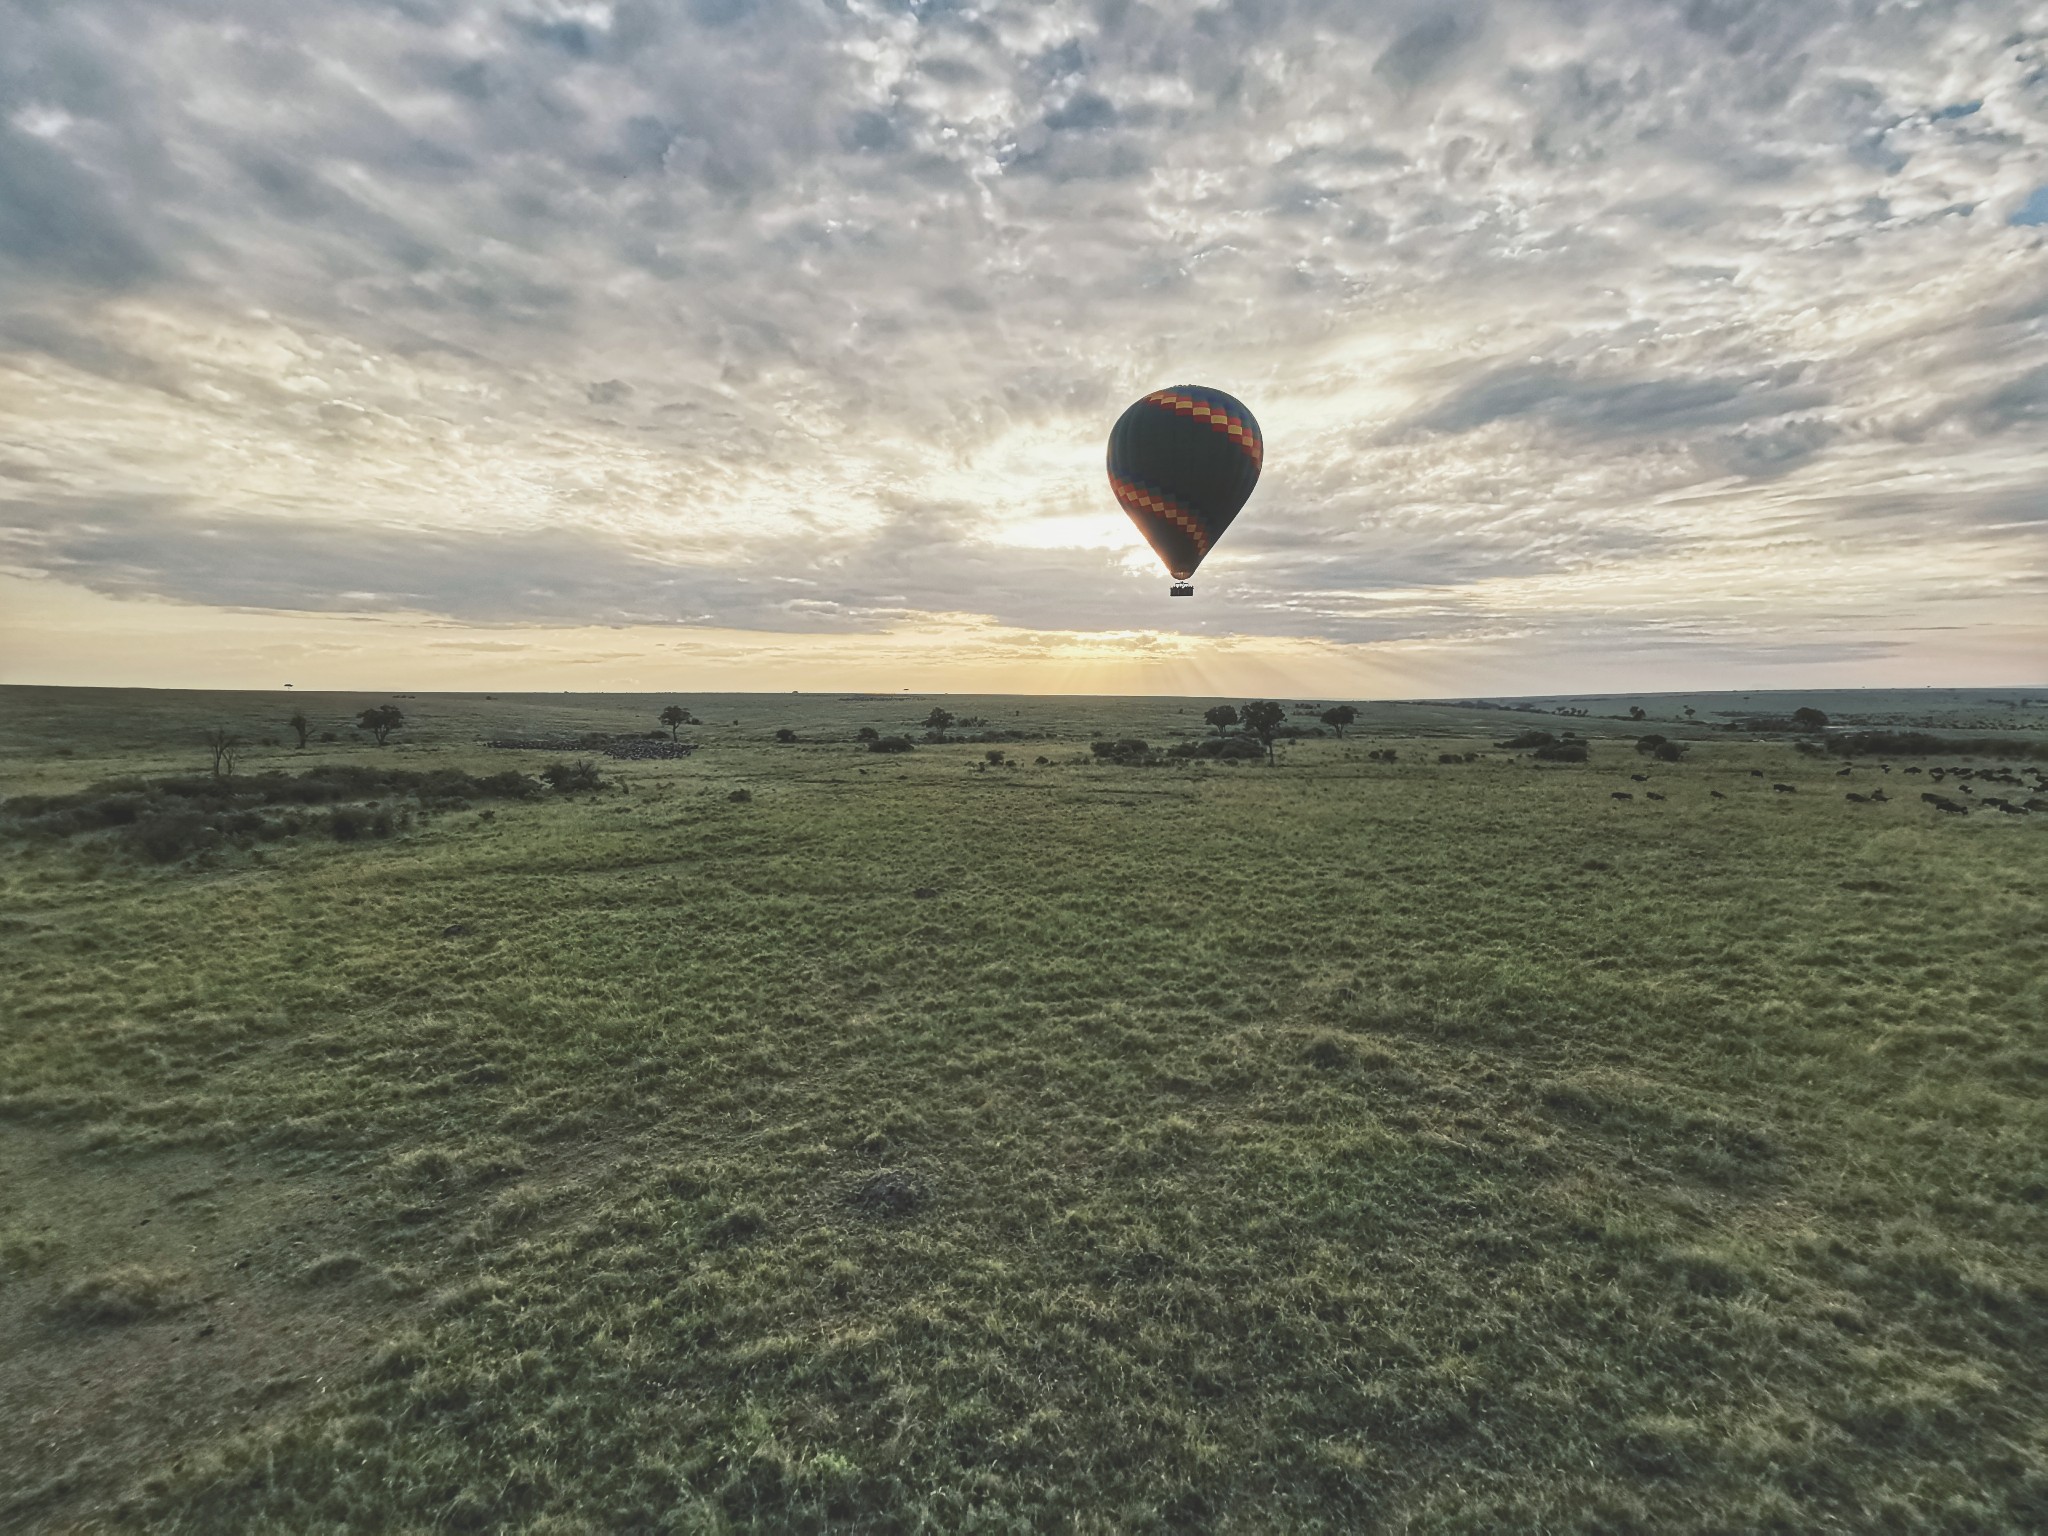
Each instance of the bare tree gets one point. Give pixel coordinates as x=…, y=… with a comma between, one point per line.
x=226, y=748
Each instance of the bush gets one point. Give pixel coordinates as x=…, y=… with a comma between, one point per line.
x=1671, y=752
x=327, y=735
x=1649, y=744
x=1926, y=744
x=785, y=735
x=867, y=733
x=349, y=823
x=1385, y=755
x=171, y=834
x=1227, y=749
x=892, y=744
x=572, y=778
x=1127, y=750
x=1526, y=741
x=995, y=757
x=1562, y=752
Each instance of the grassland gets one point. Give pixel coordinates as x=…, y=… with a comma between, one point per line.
x=919, y=1144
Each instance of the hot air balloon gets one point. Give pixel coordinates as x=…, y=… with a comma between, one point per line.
x=1182, y=461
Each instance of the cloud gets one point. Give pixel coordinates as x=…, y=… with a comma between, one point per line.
x=812, y=317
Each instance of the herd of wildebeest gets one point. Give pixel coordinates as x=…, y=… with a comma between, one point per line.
x=2037, y=798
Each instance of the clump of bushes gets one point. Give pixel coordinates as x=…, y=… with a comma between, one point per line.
x=785, y=735
x=350, y=823
x=892, y=744
x=1229, y=749
x=572, y=778
x=1927, y=744
x=1128, y=752
x=1662, y=749
x=1573, y=751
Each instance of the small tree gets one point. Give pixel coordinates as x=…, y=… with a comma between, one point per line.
x=1637, y=712
x=1262, y=720
x=1223, y=717
x=1809, y=718
x=301, y=726
x=1688, y=711
x=675, y=715
x=939, y=721
x=381, y=721
x=1336, y=719
x=225, y=747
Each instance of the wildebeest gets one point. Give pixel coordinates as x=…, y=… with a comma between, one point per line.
x=1621, y=794
x=1879, y=795
x=1640, y=778
x=1717, y=794
x=1943, y=803
x=2010, y=809
x=1842, y=773
x=2037, y=804
x=1784, y=789
x=1859, y=799
x=1652, y=795
x=1756, y=773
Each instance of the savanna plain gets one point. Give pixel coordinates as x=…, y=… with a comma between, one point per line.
x=796, y=1136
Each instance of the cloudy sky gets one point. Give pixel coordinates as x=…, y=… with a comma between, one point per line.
x=774, y=343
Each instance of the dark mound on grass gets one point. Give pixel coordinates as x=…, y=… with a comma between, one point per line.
x=890, y=1195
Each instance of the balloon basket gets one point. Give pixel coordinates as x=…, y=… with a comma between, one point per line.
x=1180, y=589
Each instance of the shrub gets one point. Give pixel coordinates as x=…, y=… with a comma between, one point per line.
x=892, y=744
x=170, y=834
x=1562, y=752
x=327, y=735
x=1671, y=752
x=1227, y=749
x=571, y=778
x=1526, y=741
x=866, y=733
x=785, y=735
x=1127, y=750
x=1649, y=744
x=348, y=823
x=995, y=757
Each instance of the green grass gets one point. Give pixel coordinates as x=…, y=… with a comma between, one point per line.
x=1331, y=1146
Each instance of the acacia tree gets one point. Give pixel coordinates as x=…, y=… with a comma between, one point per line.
x=675, y=715
x=939, y=721
x=1810, y=717
x=381, y=721
x=1262, y=720
x=1338, y=718
x=300, y=725
x=225, y=747
x=1223, y=717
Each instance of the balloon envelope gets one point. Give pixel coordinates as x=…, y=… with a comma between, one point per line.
x=1181, y=462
